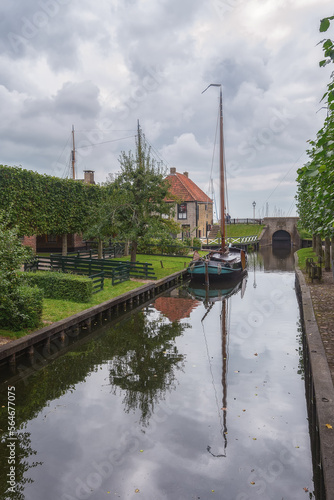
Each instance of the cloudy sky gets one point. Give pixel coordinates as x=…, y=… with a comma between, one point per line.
x=100, y=66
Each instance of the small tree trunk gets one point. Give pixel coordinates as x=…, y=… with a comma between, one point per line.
x=327, y=254
x=332, y=248
x=126, y=249
x=64, y=245
x=314, y=242
x=318, y=246
x=134, y=245
x=100, y=249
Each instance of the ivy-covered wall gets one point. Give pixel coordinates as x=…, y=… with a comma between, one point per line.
x=40, y=204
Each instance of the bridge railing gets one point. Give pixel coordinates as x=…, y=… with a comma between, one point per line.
x=241, y=240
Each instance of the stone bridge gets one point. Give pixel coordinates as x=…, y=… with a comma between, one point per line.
x=280, y=231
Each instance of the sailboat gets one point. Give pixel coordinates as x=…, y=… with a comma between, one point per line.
x=227, y=262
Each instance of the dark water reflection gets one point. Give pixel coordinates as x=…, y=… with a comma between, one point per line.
x=199, y=395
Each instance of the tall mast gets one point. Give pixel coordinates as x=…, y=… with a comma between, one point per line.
x=222, y=170
x=221, y=164
x=139, y=145
x=73, y=154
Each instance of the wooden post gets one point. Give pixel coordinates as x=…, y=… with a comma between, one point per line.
x=327, y=254
x=206, y=273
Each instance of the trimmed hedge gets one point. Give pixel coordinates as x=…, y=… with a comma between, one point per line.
x=22, y=308
x=160, y=246
x=63, y=286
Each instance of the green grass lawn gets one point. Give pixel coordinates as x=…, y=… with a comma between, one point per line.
x=55, y=310
x=235, y=230
x=170, y=264
x=303, y=254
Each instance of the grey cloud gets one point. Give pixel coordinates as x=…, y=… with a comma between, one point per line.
x=78, y=98
x=75, y=99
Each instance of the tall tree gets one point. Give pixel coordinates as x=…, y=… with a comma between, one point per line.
x=103, y=221
x=315, y=195
x=144, y=187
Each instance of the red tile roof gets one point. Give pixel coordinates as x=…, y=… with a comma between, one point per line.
x=185, y=189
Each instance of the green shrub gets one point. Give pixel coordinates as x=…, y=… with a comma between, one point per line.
x=164, y=245
x=197, y=244
x=62, y=286
x=21, y=308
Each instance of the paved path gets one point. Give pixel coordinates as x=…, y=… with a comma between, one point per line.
x=323, y=304
x=318, y=320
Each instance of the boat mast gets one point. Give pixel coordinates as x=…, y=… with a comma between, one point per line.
x=222, y=170
x=73, y=154
x=221, y=164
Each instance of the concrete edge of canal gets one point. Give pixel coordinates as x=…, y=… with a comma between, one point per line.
x=72, y=325
x=320, y=385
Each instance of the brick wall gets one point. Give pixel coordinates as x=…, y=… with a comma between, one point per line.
x=205, y=216
x=30, y=241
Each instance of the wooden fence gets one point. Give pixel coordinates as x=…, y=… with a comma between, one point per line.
x=118, y=271
x=314, y=270
x=237, y=240
x=245, y=221
x=98, y=282
x=111, y=252
x=44, y=264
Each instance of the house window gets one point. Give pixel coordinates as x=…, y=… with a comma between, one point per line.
x=182, y=211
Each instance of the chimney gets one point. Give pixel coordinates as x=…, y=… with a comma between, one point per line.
x=185, y=174
x=89, y=177
x=172, y=170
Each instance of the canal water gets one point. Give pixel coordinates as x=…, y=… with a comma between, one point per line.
x=199, y=395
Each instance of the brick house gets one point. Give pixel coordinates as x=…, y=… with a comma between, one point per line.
x=53, y=243
x=193, y=209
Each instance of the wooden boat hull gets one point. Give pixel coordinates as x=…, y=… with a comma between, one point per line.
x=214, y=269
x=223, y=267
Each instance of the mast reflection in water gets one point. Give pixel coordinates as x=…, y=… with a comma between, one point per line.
x=211, y=293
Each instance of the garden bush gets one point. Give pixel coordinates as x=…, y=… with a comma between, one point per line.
x=21, y=308
x=167, y=246
x=197, y=244
x=63, y=286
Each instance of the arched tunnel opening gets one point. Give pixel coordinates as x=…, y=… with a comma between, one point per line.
x=281, y=239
